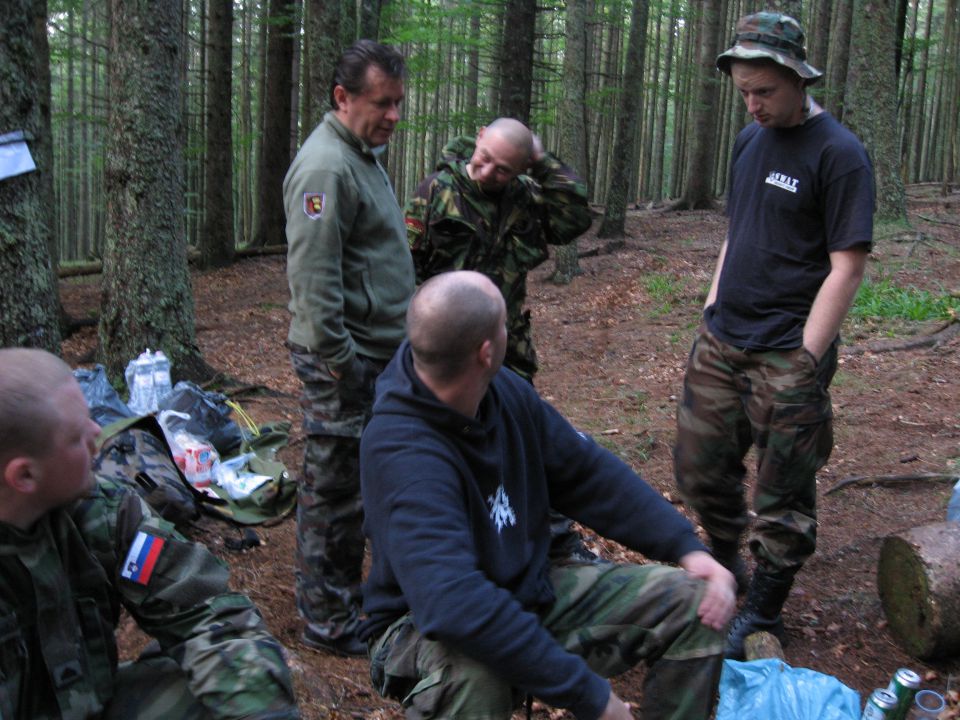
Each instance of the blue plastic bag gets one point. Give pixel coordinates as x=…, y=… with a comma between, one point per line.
x=765, y=689
x=105, y=404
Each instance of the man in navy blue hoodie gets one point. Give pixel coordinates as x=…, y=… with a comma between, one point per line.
x=459, y=466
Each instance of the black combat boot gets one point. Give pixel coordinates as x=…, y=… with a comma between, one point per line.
x=727, y=553
x=761, y=611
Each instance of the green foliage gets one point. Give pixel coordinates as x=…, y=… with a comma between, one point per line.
x=665, y=291
x=882, y=299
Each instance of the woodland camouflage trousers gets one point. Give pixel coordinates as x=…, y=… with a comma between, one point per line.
x=612, y=615
x=778, y=401
x=153, y=688
x=330, y=540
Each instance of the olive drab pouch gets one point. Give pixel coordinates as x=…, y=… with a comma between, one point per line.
x=271, y=500
x=135, y=453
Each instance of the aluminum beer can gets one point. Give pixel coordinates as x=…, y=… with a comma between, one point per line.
x=880, y=705
x=904, y=685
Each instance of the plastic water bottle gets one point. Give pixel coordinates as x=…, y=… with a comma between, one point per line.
x=139, y=376
x=953, y=507
x=161, y=377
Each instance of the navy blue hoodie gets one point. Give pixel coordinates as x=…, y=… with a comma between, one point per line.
x=456, y=509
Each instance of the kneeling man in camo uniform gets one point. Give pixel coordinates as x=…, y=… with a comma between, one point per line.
x=74, y=551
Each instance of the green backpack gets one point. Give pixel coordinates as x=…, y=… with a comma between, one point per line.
x=135, y=453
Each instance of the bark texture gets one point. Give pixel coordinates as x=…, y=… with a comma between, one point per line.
x=516, y=59
x=217, y=239
x=573, y=133
x=275, y=155
x=871, y=101
x=28, y=290
x=628, y=115
x=147, y=297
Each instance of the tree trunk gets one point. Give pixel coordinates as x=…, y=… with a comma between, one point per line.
x=323, y=37
x=698, y=192
x=44, y=144
x=838, y=59
x=370, y=19
x=871, y=105
x=662, y=96
x=615, y=214
x=573, y=135
x=516, y=79
x=919, y=583
x=217, y=240
x=275, y=156
x=147, y=297
x=28, y=289
x=818, y=34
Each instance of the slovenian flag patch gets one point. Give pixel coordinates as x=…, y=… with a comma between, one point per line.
x=142, y=557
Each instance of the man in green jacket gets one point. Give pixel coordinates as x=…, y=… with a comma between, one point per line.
x=73, y=551
x=350, y=277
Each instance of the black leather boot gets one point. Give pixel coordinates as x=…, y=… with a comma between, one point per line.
x=761, y=611
x=727, y=553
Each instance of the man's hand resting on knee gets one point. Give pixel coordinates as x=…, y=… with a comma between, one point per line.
x=720, y=599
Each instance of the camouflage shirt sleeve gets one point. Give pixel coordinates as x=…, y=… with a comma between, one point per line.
x=177, y=592
x=563, y=197
x=416, y=215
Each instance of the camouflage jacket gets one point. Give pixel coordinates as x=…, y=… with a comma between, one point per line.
x=62, y=585
x=453, y=225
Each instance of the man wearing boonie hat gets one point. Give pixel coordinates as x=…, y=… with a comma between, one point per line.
x=800, y=208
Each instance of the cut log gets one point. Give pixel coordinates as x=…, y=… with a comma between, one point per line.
x=918, y=577
x=761, y=645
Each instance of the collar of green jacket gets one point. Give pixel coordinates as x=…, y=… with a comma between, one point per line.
x=347, y=136
x=460, y=149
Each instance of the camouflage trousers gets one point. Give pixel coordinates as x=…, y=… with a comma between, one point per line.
x=612, y=615
x=521, y=356
x=330, y=540
x=153, y=688
x=778, y=401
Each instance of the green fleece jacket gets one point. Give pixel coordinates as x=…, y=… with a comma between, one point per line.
x=348, y=262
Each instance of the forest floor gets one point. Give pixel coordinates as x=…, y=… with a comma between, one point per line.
x=613, y=346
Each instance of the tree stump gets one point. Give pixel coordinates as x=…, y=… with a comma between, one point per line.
x=761, y=645
x=918, y=577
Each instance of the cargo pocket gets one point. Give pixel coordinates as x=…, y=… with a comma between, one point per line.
x=799, y=444
x=393, y=660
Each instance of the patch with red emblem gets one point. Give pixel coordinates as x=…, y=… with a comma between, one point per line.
x=313, y=204
x=414, y=225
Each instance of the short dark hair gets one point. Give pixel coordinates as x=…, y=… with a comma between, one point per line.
x=351, y=69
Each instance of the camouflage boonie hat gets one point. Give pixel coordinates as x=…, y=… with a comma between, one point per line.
x=774, y=36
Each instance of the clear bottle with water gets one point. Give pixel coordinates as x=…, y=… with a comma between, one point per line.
x=161, y=377
x=140, y=378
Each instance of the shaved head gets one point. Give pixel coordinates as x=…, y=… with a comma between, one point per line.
x=515, y=133
x=450, y=316
x=504, y=150
x=29, y=380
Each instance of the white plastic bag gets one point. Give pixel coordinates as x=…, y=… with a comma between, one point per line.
x=239, y=483
x=196, y=458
